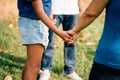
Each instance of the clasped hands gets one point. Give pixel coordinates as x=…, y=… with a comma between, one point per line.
x=69, y=37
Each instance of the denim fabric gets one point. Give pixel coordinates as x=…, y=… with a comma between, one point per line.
x=33, y=31
x=68, y=21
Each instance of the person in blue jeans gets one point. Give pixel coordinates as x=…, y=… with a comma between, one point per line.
x=68, y=17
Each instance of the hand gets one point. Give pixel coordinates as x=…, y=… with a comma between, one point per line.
x=65, y=36
x=73, y=35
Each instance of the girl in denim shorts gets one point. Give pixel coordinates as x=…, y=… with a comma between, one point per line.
x=33, y=26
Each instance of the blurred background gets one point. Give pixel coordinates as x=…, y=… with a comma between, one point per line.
x=13, y=54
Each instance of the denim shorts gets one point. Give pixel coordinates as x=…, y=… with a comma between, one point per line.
x=33, y=31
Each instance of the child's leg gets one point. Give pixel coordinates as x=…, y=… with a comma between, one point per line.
x=34, y=35
x=31, y=68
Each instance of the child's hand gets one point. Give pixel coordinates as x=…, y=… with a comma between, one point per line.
x=65, y=36
x=73, y=35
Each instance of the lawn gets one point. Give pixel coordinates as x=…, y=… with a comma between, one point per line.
x=13, y=54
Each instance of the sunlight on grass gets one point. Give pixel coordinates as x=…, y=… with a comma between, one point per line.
x=13, y=54
x=12, y=57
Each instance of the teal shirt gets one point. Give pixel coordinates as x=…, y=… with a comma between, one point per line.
x=108, y=50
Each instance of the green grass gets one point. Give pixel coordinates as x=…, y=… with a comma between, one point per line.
x=13, y=56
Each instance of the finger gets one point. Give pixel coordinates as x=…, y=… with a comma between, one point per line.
x=68, y=40
x=69, y=36
x=71, y=42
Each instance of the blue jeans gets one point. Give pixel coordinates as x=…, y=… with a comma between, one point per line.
x=67, y=21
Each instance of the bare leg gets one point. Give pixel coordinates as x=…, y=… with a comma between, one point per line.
x=32, y=65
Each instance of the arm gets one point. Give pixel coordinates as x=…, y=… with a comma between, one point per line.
x=90, y=14
x=38, y=7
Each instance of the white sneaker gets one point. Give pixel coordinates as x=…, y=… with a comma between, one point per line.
x=74, y=76
x=44, y=75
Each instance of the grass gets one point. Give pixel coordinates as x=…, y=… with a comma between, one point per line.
x=12, y=57
x=13, y=54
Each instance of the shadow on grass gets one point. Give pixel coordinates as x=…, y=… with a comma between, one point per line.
x=11, y=61
x=58, y=69
x=10, y=65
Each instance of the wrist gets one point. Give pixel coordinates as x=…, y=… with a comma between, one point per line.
x=59, y=32
x=75, y=30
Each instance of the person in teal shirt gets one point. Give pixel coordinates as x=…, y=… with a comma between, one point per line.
x=106, y=64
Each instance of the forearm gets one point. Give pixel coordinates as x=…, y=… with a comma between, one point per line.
x=86, y=19
x=38, y=7
x=90, y=14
